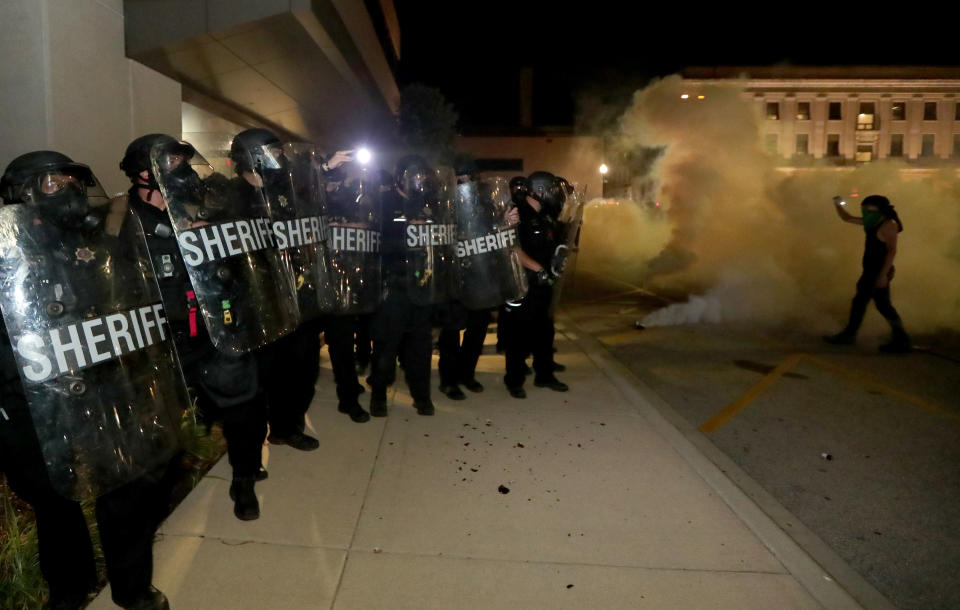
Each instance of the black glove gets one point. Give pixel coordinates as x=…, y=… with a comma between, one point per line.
x=559, y=262
x=544, y=278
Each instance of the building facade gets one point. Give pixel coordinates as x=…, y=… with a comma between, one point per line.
x=850, y=115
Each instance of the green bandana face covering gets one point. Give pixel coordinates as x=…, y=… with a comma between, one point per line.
x=871, y=219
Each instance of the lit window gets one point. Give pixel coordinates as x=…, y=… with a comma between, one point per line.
x=773, y=111
x=896, y=145
x=956, y=145
x=833, y=145
x=929, y=111
x=836, y=111
x=865, y=120
x=929, y=143
x=803, y=111
x=898, y=111
x=864, y=153
x=803, y=144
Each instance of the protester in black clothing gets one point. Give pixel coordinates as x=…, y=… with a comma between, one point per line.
x=882, y=225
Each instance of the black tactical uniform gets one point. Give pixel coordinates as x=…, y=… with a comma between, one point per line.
x=227, y=386
x=528, y=325
x=127, y=516
x=400, y=322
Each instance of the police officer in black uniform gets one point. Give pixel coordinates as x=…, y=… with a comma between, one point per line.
x=400, y=321
x=128, y=516
x=226, y=386
x=528, y=325
x=290, y=365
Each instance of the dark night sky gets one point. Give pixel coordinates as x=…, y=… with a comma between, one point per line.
x=473, y=51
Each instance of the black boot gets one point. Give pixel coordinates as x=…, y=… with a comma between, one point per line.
x=153, y=599
x=355, y=411
x=843, y=337
x=551, y=382
x=378, y=402
x=424, y=407
x=453, y=392
x=899, y=342
x=245, y=504
x=297, y=440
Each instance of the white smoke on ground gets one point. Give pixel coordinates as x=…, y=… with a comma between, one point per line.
x=744, y=241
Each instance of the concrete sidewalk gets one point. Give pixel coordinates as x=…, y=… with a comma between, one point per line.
x=607, y=508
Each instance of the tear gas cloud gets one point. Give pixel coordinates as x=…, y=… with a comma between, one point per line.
x=744, y=241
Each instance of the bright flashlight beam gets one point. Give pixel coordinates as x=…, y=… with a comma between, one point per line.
x=604, y=169
x=364, y=155
x=684, y=96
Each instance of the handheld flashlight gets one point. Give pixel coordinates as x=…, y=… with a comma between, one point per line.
x=364, y=155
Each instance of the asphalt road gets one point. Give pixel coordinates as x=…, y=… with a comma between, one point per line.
x=863, y=448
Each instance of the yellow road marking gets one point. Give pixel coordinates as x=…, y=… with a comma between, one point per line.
x=865, y=380
x=731, y=410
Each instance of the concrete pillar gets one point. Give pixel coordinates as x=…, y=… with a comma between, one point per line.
x=67, y=85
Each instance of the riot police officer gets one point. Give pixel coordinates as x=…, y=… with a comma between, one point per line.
x=226, y=385
x=528, y=324
x=66, y=268
x=418, y=262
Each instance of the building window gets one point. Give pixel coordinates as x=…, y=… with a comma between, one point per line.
x=929, y=111
x=773, y=143
x=833, y=145
x=929, y=142
x=896, y=145
x=836, y=111
x=803, y=111
x=956, y=145
x=864, y=153
x=956, y=113
x=898, y=111
x=773, y=111
x=866, y=119
x=803, y=144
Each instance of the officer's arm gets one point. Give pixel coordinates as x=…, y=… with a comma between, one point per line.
x=528, y=263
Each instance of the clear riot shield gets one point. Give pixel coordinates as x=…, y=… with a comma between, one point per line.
x=487, y=246
x=568, y=236
x=353, y=213
x=294, y=193
x=86, y=325
x=430, y=237
x=245, y=291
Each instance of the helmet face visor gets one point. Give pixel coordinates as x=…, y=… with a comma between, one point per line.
x=54, y=181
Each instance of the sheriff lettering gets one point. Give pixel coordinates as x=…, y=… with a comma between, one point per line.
x=486, y=243
x=49, y=354
x=351, y=239
x=218, y=241
x=421, y=235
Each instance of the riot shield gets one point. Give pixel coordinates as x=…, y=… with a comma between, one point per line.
x=244, y=290
x=352, y=213
x=430, y=236
x=568, y=237
x=487, y=246
x=99, y=372
x=294, y=194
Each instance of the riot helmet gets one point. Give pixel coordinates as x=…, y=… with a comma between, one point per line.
x=415, y=177
x=258, y=151
x=61, y=191
x=519, y=189
x=173, y=158
x=546, y=189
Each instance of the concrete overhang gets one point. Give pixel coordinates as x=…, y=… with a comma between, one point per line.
x=311, y=68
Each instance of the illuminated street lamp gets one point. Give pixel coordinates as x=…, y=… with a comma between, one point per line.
x=684, y=96
x=604, y=169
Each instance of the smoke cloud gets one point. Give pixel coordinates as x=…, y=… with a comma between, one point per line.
x=746, y=241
